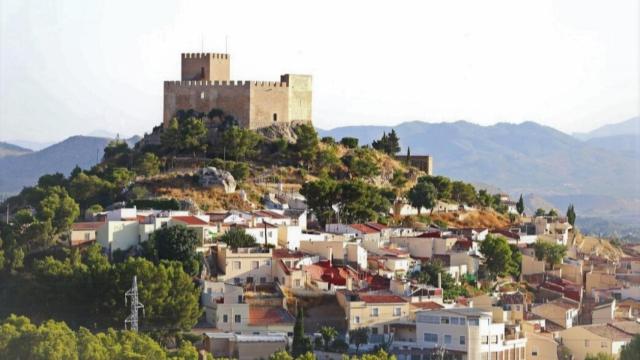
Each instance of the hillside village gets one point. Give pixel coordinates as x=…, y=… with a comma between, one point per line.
x=272, y=239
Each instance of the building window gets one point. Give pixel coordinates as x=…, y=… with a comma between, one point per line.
x=603, y=344
x=270, y=234
x=517, y=307
x=297, y=282
x=463, y=340
x=430, y=319
x=447, y=339
x=255, y=265
x=249, y=279
x=374, y=331
x=263, y=280
x=455, y=321
x=534, y=351
x=432, y=338
x=275, y=117
x=202, y=95
x=238, y=319
x=356, y=319
x=374, y=312
x=463, y=321
x=473, y=322
x=485, y=340
x=444, y=320
x=494, y=339
x=237, y=265
x=396, y=311
x=225, y=318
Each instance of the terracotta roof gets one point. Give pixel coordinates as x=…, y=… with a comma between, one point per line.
x=431, y=234
x=87, y=225
x=269, y=315
x=270, y=214
x=190, y=220
x=427, y=305
x=507, y=233
x=608, y=331
x=364, y=228
x=376, y=226
x=286, y=253
x=381, y=299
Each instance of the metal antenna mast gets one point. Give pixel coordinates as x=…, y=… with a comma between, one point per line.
x=132, y=319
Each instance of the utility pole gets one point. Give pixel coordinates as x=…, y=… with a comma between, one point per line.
x=132, y=319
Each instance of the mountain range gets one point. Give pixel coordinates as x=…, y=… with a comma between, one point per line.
x=21, y=167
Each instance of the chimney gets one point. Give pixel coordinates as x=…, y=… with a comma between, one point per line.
x=440, y=280
x=330, y=257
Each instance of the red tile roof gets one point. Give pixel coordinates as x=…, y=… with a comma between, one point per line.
x=85, y=226
x=381, y=299
x=270, y=214
x=286, y=253
x=376, y=226
x=269, y=315
x=427, y=305
x=190, y=220
x=364, y=228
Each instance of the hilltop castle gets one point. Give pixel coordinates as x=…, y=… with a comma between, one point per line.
x=206, y=85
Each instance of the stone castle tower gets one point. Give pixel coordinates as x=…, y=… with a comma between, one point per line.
x=206, y=85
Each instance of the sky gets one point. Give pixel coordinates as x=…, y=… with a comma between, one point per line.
x=74, y=67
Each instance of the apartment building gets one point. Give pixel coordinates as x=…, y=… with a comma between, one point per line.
x=600, y=338
x=375, y=310
x=465, y=334
x=562, y=312
x=244, y=265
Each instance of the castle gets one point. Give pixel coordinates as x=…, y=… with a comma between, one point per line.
x=206, y=85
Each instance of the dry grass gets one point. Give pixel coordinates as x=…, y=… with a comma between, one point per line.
x=481, y=219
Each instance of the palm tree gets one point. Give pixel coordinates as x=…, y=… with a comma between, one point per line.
x=328, y=334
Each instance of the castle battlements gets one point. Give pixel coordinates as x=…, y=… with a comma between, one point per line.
x=205, y=56
x=230, y=83
x=206, y=84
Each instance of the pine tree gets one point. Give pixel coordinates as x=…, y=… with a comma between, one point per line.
x=520, y=205
x=393, y=143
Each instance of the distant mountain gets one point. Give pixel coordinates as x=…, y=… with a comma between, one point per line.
x=7, y=149
x=519, y=158
x=31, y=145
x=629, y=144
x=628, y=127
x=24, y=170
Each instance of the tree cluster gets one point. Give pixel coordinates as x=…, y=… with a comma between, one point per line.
x=87, y=290
x=54, y=340
x=354, y=200
x=552, y=254
x=500, y=258
x=388, y=144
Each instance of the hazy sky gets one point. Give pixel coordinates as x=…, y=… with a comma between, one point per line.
x=71, y=67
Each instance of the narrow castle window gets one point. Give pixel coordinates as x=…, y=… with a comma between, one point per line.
x=275, y=117
x=202, y=95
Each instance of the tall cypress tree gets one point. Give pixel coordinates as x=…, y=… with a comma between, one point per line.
x=571, y=215
x=520, y=205
x=301, y=344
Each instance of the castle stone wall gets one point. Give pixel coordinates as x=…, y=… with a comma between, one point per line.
x=299, y=97
x=269, y=104
x=232, y=97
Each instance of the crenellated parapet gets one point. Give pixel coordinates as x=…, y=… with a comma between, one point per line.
x=230, y=83
x=205, y=56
